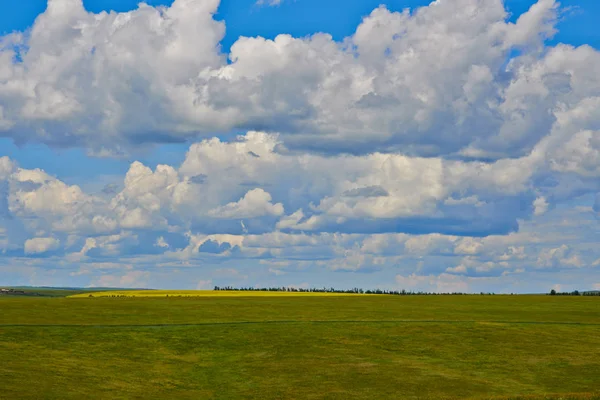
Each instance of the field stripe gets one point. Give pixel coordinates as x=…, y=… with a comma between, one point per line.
x=275, y=322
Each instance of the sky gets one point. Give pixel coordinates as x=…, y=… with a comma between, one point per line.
x=438, y=146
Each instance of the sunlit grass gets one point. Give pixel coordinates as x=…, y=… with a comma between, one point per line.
x=208, y=293
x=300, y=347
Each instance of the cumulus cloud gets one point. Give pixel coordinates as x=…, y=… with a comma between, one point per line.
x=41, y=245
x=130, y=279
x=443, y=283
x=421, y=82
x=562, y=256
x=363, y=194
x=540, y=206
x=6, y=167
x=161, y=242
x=147, y=196
x=255, y=203
x=48, y=204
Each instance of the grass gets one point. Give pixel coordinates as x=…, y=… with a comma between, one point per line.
x=204, y=293
x=301, y=347
x=48, y=292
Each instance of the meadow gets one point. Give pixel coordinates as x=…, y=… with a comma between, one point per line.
x=300, y=347
x=201, y=293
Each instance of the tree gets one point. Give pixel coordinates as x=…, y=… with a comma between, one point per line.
x=553, y=292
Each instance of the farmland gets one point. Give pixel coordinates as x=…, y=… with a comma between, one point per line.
x=201, y=293
x=304, y=346
x=42, y=291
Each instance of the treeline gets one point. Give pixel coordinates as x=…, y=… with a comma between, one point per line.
x=333, y=290
x=574, y=293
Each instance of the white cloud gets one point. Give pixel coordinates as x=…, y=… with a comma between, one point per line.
x=444, y=283
x=291, y=220
x=147, y=196
x=557, y=287
x=5, y=124
x=129, y=279
x=581, y=154
x=6, y=167
x=534, y=26
x=469, y=246
x=162, y=243
x=271, y=3
x=540, y=206
x=404, y=81
x=411, y=143
x=229, y=273
x=44, y=202
x=41, y=245
x=255, y=203
x=377, y=193
x=106, y=246
x=459, y=269
x=205, y=284
x=559, y=257
x=277, y=272
x=196, y=241
x=432, y=243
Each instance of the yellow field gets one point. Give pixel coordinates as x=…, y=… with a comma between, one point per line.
x=204, y=293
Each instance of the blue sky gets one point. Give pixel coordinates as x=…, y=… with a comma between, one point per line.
x=246, y=18
x=455, y=147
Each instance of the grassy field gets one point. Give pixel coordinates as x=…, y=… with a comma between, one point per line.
x=203, y=293
x=300, y=347
x=49, y=292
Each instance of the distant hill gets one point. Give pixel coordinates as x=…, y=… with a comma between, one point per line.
x=102, y=288
x=47, y=291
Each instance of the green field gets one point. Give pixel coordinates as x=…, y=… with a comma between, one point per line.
x=50, y=292
x=203, y=293
x=300, y=347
